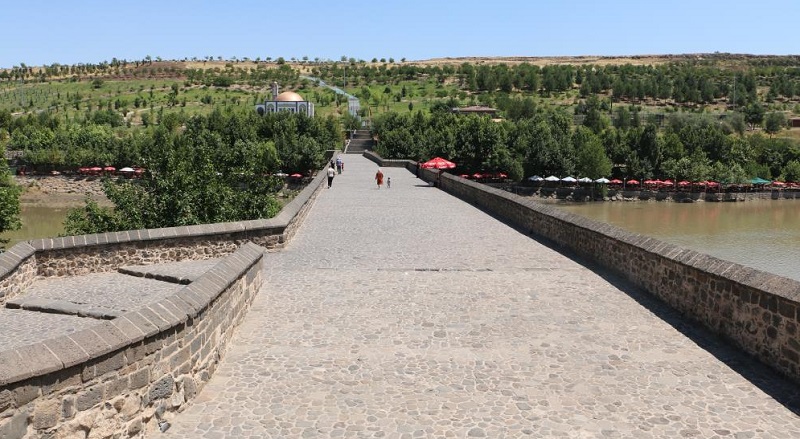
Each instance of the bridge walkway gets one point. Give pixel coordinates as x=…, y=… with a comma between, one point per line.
x=405, y=313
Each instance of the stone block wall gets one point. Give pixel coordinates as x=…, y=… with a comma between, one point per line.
x=755, y=310
x=128, y=376
x=17, y=271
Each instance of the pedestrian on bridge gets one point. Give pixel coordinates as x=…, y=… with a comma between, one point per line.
x=331, y=174
x=339, y=164
x=379, y=178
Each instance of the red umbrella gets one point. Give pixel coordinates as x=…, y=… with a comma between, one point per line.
x=615, y=181
x=712, y=183
x=109, y=169
x=477, y=176
x=464, y=175
x=667, y=183
x=502, y=175
x=438, y=163
x=633, y=182
x=778, y=183
x=683, y=183
x=296, y=175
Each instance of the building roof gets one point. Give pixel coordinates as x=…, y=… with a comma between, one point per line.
x=289, y=96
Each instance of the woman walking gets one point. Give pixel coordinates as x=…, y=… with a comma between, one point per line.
x=379, y=178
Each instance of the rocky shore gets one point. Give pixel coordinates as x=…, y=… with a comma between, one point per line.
x=60, y=191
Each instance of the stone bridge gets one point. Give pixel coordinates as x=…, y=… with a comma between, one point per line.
x=406, y=312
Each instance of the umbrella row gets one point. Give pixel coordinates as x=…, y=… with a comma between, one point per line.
x=569, y=179
x=654, y=183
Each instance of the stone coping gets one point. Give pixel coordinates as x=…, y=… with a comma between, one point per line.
x=107, y=336
x=13, y=257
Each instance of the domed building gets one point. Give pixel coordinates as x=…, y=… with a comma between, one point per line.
x=286, y=101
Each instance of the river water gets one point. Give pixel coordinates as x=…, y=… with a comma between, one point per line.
x=763, y=234
x=37, y=222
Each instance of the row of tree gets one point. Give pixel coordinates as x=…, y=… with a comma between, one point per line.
x=681, y=82
x=692, y=148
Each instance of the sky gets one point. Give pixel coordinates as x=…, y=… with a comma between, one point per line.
x=91, y=31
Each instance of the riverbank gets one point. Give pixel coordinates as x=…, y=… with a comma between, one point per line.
x=60, y=191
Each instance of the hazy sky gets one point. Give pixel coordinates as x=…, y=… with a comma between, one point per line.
x=86, y=31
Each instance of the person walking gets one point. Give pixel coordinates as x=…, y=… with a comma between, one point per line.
x=379, y=178
x=339, y=164
x=331, y=174
x=388, y=182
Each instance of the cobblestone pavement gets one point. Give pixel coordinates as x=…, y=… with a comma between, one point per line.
x=20, y=327
x=406, y=313
x=182, y=272
x=52, y=305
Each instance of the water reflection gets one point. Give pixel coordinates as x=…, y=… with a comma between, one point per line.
x=763, y=234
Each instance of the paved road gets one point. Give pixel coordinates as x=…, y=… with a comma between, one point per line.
x=406, y=313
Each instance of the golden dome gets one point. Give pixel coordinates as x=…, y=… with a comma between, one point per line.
x=289, y=96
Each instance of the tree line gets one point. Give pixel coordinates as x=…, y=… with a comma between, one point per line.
x=546, y=142
x=681, y=82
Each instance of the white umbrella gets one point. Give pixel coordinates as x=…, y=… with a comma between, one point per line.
x=281, y=174
x=585, y=180
x=127, y=169
x=602, y=180
x=535, y=178
x=569, y=179
x=552, y=178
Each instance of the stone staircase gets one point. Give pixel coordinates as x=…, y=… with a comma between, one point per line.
x=360, y=142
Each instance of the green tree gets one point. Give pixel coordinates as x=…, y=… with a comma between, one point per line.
x=592, y=160
x=753, y=114
x=791, y=172
x=594, y=120
x=774, y=122
x=9, y=200
x=91, y=218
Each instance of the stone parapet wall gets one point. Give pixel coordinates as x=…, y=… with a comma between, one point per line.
x=755, y=310
x=128, y=376
x=17, y=271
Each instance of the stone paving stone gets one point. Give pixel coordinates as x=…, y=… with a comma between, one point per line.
x=182, y=272
x=20, y=328
x=112, y=291
x=405, y=313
